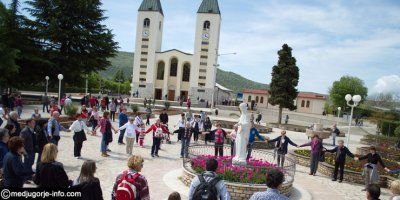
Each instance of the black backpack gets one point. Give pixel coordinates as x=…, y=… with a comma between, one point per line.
x=206, y=190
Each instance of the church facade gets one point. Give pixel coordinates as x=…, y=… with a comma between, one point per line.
x=175, y=74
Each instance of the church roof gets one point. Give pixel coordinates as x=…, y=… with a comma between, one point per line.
x=209, y=6
x=151, y=5
x=174, y=50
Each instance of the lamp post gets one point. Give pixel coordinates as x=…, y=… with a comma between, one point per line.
x=216, y=65
x=47, y=84
x=338, y=114
x=356, y=99
x=119, y=84
x=60, y=77
x=86, y=84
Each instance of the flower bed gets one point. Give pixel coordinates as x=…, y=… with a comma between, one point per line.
x=253, y=173
x=352, y=165
x=379, y=140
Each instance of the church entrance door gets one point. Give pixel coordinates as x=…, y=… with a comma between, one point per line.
x=171, y=95
x=158, y=94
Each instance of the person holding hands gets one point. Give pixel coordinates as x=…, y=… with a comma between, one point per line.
x=370, y=172
x=340, y=159
x=282, y=146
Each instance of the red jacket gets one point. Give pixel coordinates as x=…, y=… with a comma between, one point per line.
x=154, y=129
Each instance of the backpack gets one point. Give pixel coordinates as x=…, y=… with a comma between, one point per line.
x=206, y=190
x=126, y=189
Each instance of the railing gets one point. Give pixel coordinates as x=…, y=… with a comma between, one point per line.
x=288, y=168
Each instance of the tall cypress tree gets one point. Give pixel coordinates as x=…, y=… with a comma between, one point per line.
x=73, y=37
x=285, y=77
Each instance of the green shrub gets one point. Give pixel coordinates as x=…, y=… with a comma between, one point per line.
x=71, y=110
x=135, y=108
x=387, y=127
x=397, y=131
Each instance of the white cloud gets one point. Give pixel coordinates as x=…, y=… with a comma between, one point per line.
x=387, y=84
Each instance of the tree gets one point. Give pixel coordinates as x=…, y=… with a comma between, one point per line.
x=346, y=85
x=73, y=37
x=285, y=77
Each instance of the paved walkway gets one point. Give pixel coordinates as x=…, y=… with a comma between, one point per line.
x=163, y=173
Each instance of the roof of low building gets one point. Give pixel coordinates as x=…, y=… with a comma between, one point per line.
x=209, y=6
x=151, y=5
x=174, y=50
x=256, y=91
x=312, y=95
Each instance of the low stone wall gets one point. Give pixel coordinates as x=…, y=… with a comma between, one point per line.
x=327, y=169
x=239, y=191
x=229, y=125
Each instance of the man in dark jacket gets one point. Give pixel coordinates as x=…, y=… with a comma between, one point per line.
x=164, y=117
x=13, y=120
x=28, y=135
x=340, y=154
x=282, y=147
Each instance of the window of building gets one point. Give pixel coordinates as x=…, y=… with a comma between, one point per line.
x=204, y=43
x=302, y=103
x=159, y=25
x=186, y=72
x=205, y=50
x=145, y=39
x=142, y=73
x=160, y=70
x=203, y=70
x=202, y=84
x=174, y=67
x=144, y=53
x=202, y=77
x=143, y=66
x=142, y=79
x=201, y=90
x=146, y=23
x=308, y=104
x=249, y=98
x=257, y=99
x=262, y=100
x=203, y=63
x=142, y=86
x=145, y=46
x=206, y=25
x=204, y=57
x=143, y=59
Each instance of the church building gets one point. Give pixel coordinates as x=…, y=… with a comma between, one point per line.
x=174, y=74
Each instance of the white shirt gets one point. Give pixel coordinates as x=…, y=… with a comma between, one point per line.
x=130, y=129
x=67, y=101
x=181, y=123
x=78, y=126
x=138, y=121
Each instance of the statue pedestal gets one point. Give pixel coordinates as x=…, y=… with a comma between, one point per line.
x=239, y=163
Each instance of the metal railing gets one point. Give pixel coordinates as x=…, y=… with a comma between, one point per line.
x=288, y=168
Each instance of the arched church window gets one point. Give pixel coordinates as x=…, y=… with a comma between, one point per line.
x=206, y=25
x=146, y=23
x=302, y=103
x=249, y=98
x=308, y=104
x=160, y=70
x=174, y=67
x=186, y=72
x=262, y=100
x=256, y=99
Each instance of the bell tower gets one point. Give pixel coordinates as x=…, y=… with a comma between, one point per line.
x=206, y=46
x=148, y=41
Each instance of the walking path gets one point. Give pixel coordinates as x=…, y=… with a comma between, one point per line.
x=163, y=173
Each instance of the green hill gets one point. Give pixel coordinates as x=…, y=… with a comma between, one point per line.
x=233, y=81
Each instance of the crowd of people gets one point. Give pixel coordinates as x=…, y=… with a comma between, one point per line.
x=39, y=139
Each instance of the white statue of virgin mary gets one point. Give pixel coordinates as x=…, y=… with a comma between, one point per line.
x=242, y=137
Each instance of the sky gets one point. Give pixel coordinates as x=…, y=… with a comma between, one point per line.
x=330, y=38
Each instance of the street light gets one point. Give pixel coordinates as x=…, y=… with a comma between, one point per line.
x=60, y=77
x=119, y=84
x=86, y=84
x=47, y=84
x=356, y=99
x=216, y=65
x=338, y=114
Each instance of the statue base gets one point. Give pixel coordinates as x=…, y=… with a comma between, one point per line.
x=237, y=162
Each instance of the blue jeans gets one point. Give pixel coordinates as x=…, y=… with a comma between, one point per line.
x=121, y=136
x=249, y=149
x=55, y=139
x=184, y=148
x=103, y=146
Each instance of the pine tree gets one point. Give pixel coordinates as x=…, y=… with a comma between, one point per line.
x=73, y=37
x=285, y=77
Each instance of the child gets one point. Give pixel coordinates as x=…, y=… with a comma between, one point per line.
x=130, y=134
x=219, y=135
x=142, y=134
